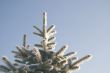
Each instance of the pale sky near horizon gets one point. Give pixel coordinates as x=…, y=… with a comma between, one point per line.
x=82, y=24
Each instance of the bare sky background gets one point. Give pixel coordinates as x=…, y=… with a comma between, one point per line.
x=82, y=24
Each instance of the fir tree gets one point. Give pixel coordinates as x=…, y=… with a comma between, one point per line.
x=41, y=58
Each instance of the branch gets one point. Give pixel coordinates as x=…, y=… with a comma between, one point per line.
x=62, y=50
x=80, y=61
x=11, y=66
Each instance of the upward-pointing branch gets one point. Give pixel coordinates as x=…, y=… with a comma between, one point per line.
x=48, y=35
x=45, y=31
x=25, y=45
x=44, y=23
x=24, y=40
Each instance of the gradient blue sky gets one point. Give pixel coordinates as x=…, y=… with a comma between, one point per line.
x=83, y=24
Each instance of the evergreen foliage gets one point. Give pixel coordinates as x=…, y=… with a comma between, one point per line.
x=41, y=58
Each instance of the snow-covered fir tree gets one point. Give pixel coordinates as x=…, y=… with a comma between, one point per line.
x=41, y=58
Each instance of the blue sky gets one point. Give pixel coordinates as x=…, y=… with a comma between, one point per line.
x=82, y=24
